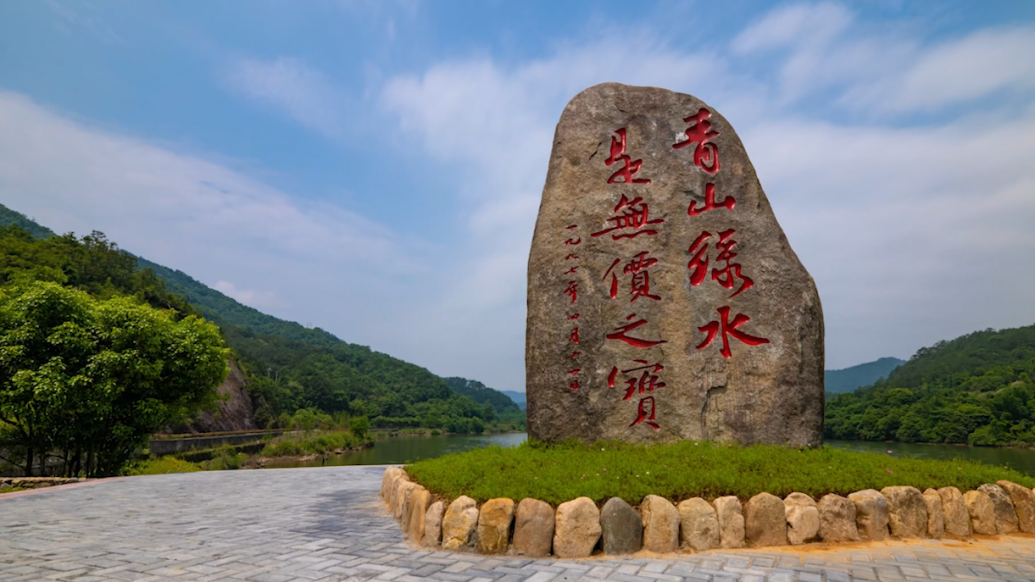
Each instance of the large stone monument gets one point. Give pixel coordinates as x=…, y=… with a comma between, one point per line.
x=664, y=301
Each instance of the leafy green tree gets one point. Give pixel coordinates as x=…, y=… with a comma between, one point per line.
x=92, y=379
x=360, y=426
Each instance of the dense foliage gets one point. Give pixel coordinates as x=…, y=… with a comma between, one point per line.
x=289, y=367
x=848, y=379
x=352, y=379
x=505, y=407
x=558, y=473
x=975, y=389
x=91, y=379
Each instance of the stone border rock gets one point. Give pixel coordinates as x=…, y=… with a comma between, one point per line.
x=577, y=528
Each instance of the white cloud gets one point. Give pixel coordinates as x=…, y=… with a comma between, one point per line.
x=906, y=230
x=191, y=214
x=956, y=72
x=881, y=71
x=252, y=298
x=287, y=83
x=793, y=25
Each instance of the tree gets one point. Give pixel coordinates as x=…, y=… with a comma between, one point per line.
x=92, y=379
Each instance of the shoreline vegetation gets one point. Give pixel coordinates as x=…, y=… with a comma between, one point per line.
x=558, y=473
x=297, y=445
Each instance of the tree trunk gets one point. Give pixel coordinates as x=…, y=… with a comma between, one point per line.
x=29, y=461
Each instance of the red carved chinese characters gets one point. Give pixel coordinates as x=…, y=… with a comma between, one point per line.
x=620, y=334
x=645, y=382
x=572, y=291
x=728, y=202
x=631, y=215
x=728, y=328
x=706, y=155
x=640, y=280
x=629, y=166
x=642, y=415
x=725, y=276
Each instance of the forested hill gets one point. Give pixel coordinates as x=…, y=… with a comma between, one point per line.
x=289, y=367
x=223, y=310
x=482, y=394
x=9, y=217
x=848, y=379
x=975, y=389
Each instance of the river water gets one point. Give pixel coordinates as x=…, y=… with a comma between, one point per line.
x=407, y=449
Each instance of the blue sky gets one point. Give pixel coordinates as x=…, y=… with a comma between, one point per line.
x=374, y=168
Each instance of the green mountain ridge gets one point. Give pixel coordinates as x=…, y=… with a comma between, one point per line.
x=976, y=389
x=848, y=379
x=288, y=365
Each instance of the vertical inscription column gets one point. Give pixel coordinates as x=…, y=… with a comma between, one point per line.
x=571, y=260
x=630, y=219
x=726, y=273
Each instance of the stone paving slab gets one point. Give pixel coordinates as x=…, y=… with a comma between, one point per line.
x=327, y=524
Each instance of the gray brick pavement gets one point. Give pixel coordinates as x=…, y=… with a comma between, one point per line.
x=326, y=524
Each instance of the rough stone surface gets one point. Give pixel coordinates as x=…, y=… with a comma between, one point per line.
x=494, y=520
x=907, y=511
x=406, y=499
x=433, y=524
x=935, y=514
x=802, y=518
x=460, y=523
x=417, y=504
x=387, y=479
x=403, y=487
x=730, y=515
x=533, y=528
x=698, y=525
x=621, y=528
x=769, y=392
x=1023, y=503
x=765, y=521
x=393, y=490
x=871, y=514
x=1005, y=515
x=837, y=519
x=577, y=528
x=954, y=509
x=982, y=512
x=660, y=524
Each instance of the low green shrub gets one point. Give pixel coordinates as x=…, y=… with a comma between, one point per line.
x=558, y=473
x=316, y=443
x=160, y=466
x=228, y=459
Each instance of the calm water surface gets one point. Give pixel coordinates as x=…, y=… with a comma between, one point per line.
x=398, y=450
x=1022, y=460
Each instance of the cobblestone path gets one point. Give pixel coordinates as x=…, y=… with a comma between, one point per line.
x=301, y=525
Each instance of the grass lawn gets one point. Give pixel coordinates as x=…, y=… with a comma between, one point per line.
x=558, y=473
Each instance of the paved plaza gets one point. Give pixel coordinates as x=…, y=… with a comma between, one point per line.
x=327, y=524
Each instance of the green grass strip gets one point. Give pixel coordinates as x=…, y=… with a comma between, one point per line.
x=559, y=473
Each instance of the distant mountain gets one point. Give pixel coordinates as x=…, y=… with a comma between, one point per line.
x=9, y=217
x=518, y=397
x=482, y=394
x=848, y=379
